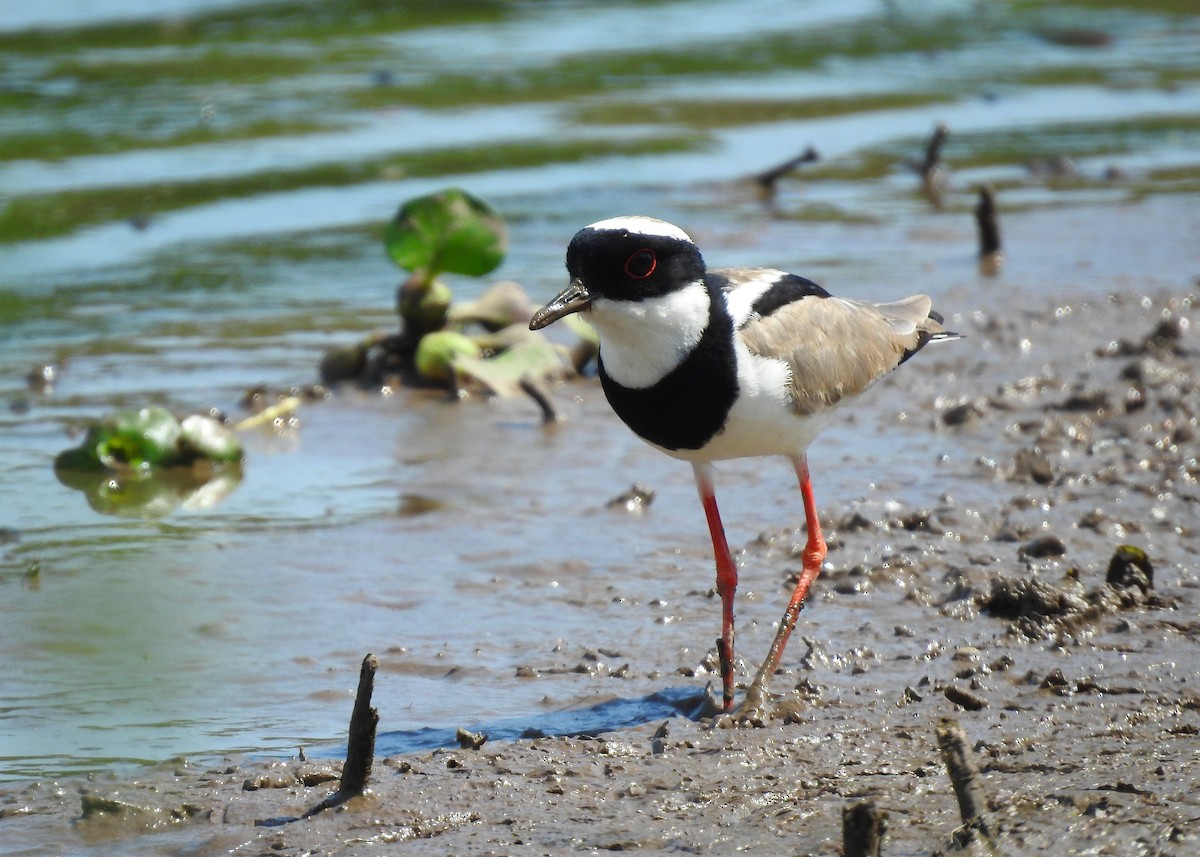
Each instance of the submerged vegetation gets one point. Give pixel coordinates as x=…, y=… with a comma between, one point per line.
x=47, y=215
x=272, y=71
x=60, y=144
x=145, y=462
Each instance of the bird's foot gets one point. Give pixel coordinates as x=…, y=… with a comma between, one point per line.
x=753, y=710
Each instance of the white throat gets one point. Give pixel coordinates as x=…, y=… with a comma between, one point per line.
x=641, y=341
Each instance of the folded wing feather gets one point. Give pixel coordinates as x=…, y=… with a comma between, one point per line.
x=837, y=347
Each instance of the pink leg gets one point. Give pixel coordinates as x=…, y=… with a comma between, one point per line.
x=727, y=577
x=812, y=559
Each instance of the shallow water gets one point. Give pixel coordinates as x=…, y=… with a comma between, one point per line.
x=239, y=627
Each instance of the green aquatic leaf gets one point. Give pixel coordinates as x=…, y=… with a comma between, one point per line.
x=146, y=464
x=535, y=357
x=438, y=351
x=447, y=231
x=148, y=437
x=203, y=437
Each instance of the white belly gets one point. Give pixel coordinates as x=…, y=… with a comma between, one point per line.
x=762, y=420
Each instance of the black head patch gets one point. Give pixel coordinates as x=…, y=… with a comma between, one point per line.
x=621, y=264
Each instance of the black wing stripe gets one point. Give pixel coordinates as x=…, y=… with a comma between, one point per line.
x=788, y=289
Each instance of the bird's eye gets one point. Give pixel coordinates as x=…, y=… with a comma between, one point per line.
x=641, y=264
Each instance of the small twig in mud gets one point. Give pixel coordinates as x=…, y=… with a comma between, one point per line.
x=542, y=396
x=268, y=415
x=990, y=254
x=932, y=161
x=766, y=180
x=863, y=826
x=929, y=168
x=964, y=776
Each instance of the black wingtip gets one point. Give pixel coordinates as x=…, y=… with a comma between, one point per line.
x=925, y=337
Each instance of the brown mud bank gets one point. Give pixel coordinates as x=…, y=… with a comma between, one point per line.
x=1047, y=603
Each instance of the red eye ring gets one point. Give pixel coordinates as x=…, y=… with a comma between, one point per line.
x=641, y=264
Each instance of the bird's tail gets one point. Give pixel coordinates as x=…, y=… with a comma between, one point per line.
x=918, y=312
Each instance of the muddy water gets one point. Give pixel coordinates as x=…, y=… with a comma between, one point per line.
x=463, y=543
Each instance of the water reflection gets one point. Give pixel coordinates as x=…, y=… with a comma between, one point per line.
x=151, y=494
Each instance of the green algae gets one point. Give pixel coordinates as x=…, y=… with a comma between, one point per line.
x=103, y=87
x=314, y=20
x=1014, y=147
x=1182, y=179
x=47, y=215
x=69, y=143
x=1074, y=140
x=1183, y=8
x=732, y=112
x=132, y=85
x=206, y=67
x=629, y=71
x=18, y=308
x=337, y=244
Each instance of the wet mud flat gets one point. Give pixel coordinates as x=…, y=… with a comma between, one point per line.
x=1048, y=602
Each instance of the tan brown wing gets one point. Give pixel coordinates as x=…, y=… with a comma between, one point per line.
x=838, y=347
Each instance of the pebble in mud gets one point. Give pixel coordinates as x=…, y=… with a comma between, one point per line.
x=468, y=740
x=1042, y=547
x=635, y=501
x=1032, y=465
x=1130, y=566
x=963, y=413
x=964, y=699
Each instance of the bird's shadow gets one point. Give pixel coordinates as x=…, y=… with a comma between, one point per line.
x=607, y=716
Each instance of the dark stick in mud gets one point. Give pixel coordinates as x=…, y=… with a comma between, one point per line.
x=985, y=218
x=933, y=153
x=991, y=256
x=544, y=399
x=929, y=168
x=360, y=747
x=863, y=826
x=964, y=777
x=360, y=750
x=767, y=178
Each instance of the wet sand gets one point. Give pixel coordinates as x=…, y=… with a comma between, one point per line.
x=992, y=606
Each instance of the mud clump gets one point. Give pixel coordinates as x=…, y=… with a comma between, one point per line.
x=1130, y=567
x=1042, y=609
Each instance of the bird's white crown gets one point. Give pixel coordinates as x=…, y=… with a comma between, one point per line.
x=641, y=225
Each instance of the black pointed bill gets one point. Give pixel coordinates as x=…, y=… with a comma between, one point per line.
x=573, y=298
